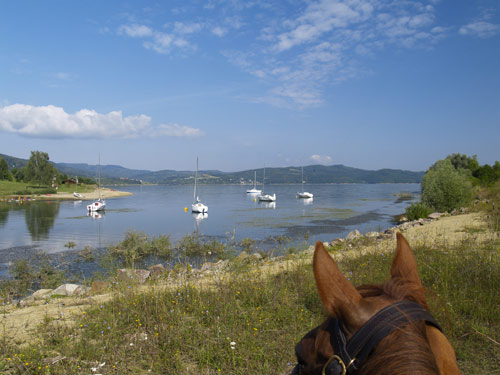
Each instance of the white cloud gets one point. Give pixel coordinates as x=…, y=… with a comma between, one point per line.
x=175, y=130
x=481, y=29
x=135, y=31
x=158, y=41
x=53, y=122
x=219, y=31
x=322, y=17
x=63, y=76
x=187, y=28
x=322, y=159
x=327, y=41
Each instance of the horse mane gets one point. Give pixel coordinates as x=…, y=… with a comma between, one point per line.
x=413, y=355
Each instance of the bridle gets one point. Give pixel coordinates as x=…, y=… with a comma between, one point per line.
x=350, y=355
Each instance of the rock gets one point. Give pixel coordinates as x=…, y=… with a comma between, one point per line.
x=221, y=264
x=402, y=218
x=326, y=244
x=309, y=250
x=128, y=275
x=404, y=226
x=372, y=234
x=208, y=266
x=257, y=256
x=157, y=270
x=99, y=286
x=38, y=295
x=435, y=215
x=242, y=256
x=353, y=235
x=70, y=290
x=41, y=294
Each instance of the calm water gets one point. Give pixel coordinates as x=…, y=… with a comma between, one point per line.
x=334, y=211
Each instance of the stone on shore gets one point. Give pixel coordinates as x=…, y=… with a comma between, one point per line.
x=98, y=287
x=353, y=235
x=435, y=215
x=70, y=290
x=128, y=275
x=40, y=294
x=157, y=270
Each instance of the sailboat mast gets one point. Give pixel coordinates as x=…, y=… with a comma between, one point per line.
x=195, y=181
x=302, y=178
x=255, y=180
x=99, y=175
x=263, y=180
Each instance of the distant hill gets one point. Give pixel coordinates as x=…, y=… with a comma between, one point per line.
x=312, y=174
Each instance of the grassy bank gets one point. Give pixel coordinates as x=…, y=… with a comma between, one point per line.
x=11, y=188
x=248, y=319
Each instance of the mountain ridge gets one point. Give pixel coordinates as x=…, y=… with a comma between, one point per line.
x=316, y=173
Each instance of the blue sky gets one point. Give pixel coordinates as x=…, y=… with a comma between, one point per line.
x=151, y=84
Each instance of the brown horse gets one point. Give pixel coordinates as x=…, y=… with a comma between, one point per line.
x=412, y=346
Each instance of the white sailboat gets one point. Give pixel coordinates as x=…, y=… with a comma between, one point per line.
x=76, y=194
x=266, y=197
x=197, y=206
x=100, y=203
x=254, y=190
x=304, y=194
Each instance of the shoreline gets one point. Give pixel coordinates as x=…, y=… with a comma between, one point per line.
x=106, y=193
x=22, y=319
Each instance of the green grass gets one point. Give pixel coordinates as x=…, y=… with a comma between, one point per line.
x=9, y=187
x=20, y=188
x=189, y=329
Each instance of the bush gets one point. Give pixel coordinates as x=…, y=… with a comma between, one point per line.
x=192, y=246
x=136, y=246
x=417, y=211
x=445, y=188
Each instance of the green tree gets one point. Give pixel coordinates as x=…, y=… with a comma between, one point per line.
x=18, y=174
x=445, y=188
x=462, y=161
x=39, y=170
x=4, y=170
x=496, y=170
x=485, y=174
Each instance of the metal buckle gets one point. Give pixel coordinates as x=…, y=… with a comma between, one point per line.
x=339, y=360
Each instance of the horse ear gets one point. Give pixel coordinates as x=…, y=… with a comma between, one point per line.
x=339, y=296
x=404, y=265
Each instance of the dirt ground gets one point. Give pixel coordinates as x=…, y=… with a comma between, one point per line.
x=105, y=193
x=19, y=323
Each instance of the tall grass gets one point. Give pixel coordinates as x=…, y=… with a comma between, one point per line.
x=248, y=321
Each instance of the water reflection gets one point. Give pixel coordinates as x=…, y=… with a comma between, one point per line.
x=40, y=218
x=200, y=216
x=4, y=213
x=95, y=214
x=307, y=201
x=268, y=204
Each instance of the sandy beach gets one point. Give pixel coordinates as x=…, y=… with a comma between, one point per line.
x=105, y=193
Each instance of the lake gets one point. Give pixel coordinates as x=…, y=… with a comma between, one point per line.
x=335, y=210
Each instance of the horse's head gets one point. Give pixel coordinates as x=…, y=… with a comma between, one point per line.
x=398, y=337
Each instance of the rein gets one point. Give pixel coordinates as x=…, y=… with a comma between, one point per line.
x=350, y=355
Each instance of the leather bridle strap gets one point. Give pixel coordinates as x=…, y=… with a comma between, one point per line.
x=355, y=351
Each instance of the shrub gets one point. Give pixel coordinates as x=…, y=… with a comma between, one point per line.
x=136, y=246
x=161, y=247
x=445, y=188
x=417, y=211
x=192, y=246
